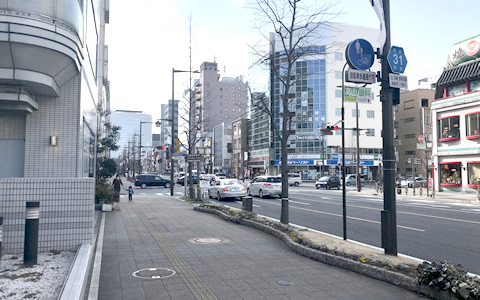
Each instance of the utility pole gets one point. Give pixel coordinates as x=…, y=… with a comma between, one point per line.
x=389, y=212
x=359, y=183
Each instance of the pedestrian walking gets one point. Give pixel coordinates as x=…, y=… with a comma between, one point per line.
x=130, y=193
x=117, y=182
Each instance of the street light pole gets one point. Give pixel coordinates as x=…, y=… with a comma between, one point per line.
x=344, y=188
x=359, y=183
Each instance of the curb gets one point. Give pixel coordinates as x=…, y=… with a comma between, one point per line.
x=388, y=276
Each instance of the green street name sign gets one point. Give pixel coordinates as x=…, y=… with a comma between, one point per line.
x=357, y=94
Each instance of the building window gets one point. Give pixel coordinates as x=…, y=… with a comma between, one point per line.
x=449, y=129
x=233, y=109
x=233, y=95
x=450, y=174
x=338, y=112
x=410, y=152
x=410, y=136
x=408, y=104
x=338, y=74
x=473, y=171
x=395, y=124
x=370, y=114
x=473, y=125
x=226, y=109
x=226, y=94
x=354, y=113
x=424, y=102
x=338, y=56
x=408, y=120
x=338, y=93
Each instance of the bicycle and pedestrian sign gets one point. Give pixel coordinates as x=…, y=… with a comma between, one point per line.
x=360, y=54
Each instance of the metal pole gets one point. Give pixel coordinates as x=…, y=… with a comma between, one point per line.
x=1, y=234
x=359, y=183
x=140, y=150
x=344, y=188
x=389, y=214
x=172, y=121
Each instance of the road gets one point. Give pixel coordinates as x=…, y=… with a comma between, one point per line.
x=426, y=229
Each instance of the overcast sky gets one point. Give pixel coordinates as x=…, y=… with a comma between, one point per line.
x=147, y=38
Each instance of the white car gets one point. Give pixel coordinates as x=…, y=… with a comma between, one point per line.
x=226, y=188
x=265, y=186
x=293, y=179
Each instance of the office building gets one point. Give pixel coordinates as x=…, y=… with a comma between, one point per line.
x=53, y=76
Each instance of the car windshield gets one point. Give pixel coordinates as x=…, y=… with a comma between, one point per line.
x=274, y=179
x=324, y=178
x=231, y=182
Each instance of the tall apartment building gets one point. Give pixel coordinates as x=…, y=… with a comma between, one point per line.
x=223, y=149
x=413, y=121
x=131, y=123
x=53, y=75
x=317, y=102
x=219, y=100
x=259, y=135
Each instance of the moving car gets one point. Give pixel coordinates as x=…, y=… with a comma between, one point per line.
x=351, y=179
x=265, y=186
x=151, y=180
x=294, y=179
x=328, y=182
x=226, y=188
x=220, y=176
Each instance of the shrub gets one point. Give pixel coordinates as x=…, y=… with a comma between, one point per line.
x=103, y=193
x=444, y=276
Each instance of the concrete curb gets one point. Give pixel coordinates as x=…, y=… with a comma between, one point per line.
x=375, y=272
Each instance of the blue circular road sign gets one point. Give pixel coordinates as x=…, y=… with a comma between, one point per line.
x=397, y=60
x=360, y=54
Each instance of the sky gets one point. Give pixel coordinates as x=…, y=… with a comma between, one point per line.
x=147, y=38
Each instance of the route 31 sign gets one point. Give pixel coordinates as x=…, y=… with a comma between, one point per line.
x=397, y=60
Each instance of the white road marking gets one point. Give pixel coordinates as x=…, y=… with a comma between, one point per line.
x=298, y=202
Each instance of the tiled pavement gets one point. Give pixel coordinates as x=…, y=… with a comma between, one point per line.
x=158, y=232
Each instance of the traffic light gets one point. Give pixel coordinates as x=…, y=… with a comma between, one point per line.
x=160, y=147
x=332, y=127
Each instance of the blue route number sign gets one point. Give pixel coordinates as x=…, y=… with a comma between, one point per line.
x=397, y=60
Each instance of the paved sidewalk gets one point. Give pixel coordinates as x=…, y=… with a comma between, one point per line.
x=159, y=232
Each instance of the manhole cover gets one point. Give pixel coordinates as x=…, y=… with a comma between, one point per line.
x=208, y=241
x=286, y=283
x=154, y=273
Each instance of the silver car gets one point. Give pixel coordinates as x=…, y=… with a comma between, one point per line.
x=265, y=186
x=226, y=188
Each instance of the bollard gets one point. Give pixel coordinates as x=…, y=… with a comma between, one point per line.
x=247, y=203
x=1, y=234
x=30, y=248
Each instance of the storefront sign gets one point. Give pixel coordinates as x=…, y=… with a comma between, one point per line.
x=262, y=154
x=296, y=162
x=463, y=51
x=357, y=94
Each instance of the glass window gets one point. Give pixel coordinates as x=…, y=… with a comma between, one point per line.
x=408, y=104
x=354, y=113
x=338, y=93
x=338, y=56
x=370, y=114
x=449, y=127
x=473, y=124
x=450, y=173
x=338, y=112
x=473, y=171
x=338, y=74
x=410, y=136
x=408, y=120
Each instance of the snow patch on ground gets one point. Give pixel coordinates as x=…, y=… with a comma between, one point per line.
x=42, y=281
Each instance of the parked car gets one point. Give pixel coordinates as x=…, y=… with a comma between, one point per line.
x=209, y=177
x=226, y=188
x=265, y=186
x=419, y=181
x=151, y=180
x=351, y=179
x=328, y=182
x=181, y=180
x=220, y=176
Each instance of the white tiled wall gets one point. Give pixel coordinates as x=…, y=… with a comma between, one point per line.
x=66, y=212
x=60, y=117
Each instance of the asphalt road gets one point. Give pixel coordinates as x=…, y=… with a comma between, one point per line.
x=427, y=229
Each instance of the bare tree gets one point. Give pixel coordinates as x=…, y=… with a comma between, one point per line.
x=295, y=27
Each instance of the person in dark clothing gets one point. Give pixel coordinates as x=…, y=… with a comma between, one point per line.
x=117, y=182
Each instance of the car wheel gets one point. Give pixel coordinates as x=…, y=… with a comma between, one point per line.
x=209, y=195
x=218, y=196
x=328, y=186
x=296, y=184
x=248, y=192
x=317, y=186
x=260, y=194
x=338, y=187
x=167, y=185
x=348, y=183
x=144, y=185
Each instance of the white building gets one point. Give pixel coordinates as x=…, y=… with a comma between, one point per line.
x=456, y=121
